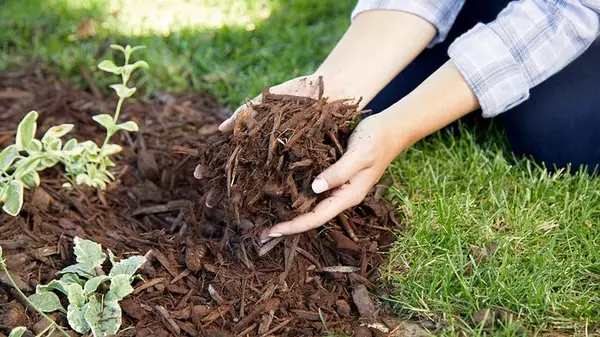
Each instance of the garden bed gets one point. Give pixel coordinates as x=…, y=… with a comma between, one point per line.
x=204, y=276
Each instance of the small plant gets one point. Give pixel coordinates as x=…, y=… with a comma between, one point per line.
x=93, y=296
x=85, y=163
x=20, y=330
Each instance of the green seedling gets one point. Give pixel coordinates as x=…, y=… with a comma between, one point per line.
x=20, y=330
x=93, y=296
x=85, y=163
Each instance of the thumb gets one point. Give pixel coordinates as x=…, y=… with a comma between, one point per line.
x=229, y=124
x=338, y=173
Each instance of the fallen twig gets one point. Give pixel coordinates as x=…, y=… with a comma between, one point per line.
x=168, y=207
x=266, y=306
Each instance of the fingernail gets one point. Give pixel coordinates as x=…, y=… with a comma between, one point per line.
x=265, y=240
x=275, y=235
x=320, y=185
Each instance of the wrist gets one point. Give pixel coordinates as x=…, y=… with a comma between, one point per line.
x=398, y=135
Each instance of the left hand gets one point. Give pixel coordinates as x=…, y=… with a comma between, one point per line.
x=371, y=148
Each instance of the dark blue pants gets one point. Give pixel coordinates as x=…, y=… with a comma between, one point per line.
x=558, y=125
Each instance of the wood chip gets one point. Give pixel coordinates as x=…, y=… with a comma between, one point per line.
x=277, y=327
x=23, y=286
x=309, y=315
x=148, y=284
x=15, y=94
x=215, y=295
x=171, y=206
x=181, y=275
x=165, y=263
x=268, y=305
x=266, y=322
x=267, y=247
x=339, y=269
x=248, y=330
x=363, y=301
x=167, y=320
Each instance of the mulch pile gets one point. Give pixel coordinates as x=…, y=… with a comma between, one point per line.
x=207, y=275
x=263, y=171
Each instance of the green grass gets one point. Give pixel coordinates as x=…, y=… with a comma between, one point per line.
x=243, y=46
x=455, y=192
x=460, y=193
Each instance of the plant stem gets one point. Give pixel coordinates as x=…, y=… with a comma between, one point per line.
x=46, y=330
x=26, y=299
x=118, y=110
x=109, y=133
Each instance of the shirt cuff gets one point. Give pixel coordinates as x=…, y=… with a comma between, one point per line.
x=441, y=14
x=490, y=70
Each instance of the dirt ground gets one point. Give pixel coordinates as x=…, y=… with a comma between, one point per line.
x=206, y=275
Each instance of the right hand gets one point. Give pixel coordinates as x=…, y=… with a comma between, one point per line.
x=306, y=86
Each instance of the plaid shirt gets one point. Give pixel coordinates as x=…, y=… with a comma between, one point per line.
x=501, y=61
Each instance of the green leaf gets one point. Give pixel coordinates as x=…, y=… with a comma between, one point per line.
x=26, y=130
x=79, y=269
x=98, y=183
x=31, y=179
x=120, y=286
x=123, y=91
x=128, y=266
x=89, y=253
x=83, y=179
x=139, y=64
x=129, y=126
x=18, y=331
x=71, y=278
x=117, y=47
x=110, y=149
x=46, y=163
x=7, y=157
x=111, y=257
x=59, y=285
x=105, y=120
x=57, y=131
x=129, y=50
x=13, y=198
x=130, y=68
x=52, y=144
x=70, y=145
x=107, y=162
x=103, y=316
x=109, y=66
x=46, y=301
x=24, y=166
x=76, y=318
x=76, y=296
x=92, y=284
x=35, y=146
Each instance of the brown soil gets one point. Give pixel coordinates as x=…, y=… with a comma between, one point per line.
x=207, y=275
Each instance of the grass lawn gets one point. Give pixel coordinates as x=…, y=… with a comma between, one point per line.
x=461, y=195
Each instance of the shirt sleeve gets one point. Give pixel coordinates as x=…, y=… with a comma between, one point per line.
x=440, y=13
x=527, y=43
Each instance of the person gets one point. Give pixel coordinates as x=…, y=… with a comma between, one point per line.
x=421, y=65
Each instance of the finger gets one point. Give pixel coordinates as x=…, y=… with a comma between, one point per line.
x=229, y=124
x=340, y=172
x=347, y=196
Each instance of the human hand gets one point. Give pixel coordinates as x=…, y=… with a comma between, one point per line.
x=370, y=151
x=304, y=86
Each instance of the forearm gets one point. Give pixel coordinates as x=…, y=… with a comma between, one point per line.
x=374, y=49
x=441, y=99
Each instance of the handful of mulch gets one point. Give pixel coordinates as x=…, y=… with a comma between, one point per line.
x=263, y=171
